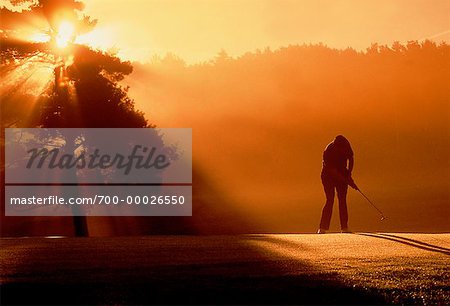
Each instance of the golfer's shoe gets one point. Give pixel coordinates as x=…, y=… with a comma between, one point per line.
x=345, y=231
x=321, y=231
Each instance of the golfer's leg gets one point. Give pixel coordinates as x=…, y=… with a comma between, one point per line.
x=342, y=198
x=328, y=208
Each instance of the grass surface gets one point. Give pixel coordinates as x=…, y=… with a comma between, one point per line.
x=355, y=268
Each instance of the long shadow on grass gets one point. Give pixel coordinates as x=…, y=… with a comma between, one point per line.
x=409, y=242
x=166, y=270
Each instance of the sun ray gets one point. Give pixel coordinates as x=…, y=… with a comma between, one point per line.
x=24, y=82
x=33, y=71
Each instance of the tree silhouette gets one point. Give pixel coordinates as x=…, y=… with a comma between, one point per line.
x=82, y=91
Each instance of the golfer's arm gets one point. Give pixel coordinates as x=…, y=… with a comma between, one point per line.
x=350, y=165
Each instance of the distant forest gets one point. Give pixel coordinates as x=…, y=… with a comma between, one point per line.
x=407, y=81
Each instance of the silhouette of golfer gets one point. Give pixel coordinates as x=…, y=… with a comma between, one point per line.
x=336, y=175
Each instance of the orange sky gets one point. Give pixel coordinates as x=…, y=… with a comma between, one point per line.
x=197, y=29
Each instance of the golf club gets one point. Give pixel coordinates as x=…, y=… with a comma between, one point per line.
x=379, y=211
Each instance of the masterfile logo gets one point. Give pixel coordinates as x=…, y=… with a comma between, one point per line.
x=56, y=159
x=150, y=156
x=98, y=172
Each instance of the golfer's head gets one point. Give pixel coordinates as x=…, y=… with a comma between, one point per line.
x=341, y=141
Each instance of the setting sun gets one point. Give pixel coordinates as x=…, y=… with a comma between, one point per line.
x=65, y=35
